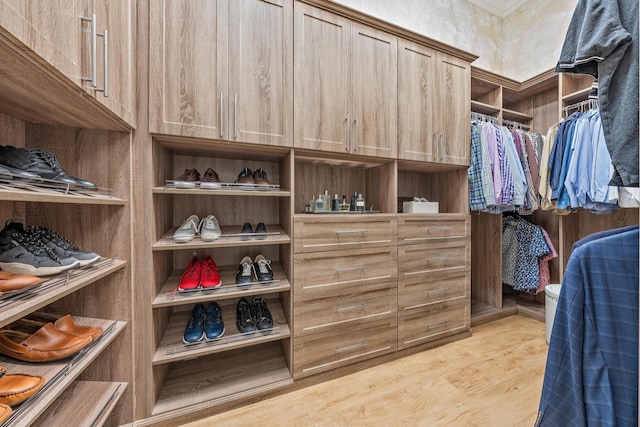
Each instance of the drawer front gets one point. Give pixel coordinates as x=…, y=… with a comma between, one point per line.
x=324, y=234
x=346, y=307
x=422, y=260
x=344, y=345
x=433, y=322
x=415, y=229
x=422, y=290
x=321, y=272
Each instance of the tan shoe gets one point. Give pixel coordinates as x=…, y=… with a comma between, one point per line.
x=64, y=324
x=45, y=345
x=5, y=412
x=16, y=388
x=13, y=282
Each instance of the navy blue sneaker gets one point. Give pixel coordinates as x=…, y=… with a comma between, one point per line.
x=194, y=331
x=213, y=324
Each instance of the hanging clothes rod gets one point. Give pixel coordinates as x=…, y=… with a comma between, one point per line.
x=483, y=117
x=516, y=125
x=589, y=104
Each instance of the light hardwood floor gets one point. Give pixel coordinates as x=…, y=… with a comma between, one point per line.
x=493, y=378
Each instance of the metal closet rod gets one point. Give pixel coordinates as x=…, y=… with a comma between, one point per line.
x=517, y=125
x=589, y=104
x=483, y=117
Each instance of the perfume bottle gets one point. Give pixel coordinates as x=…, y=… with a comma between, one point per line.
x=360, y=203
x=344, y=205
x=326, y=200
x=352, y=207
x=335, y=203
x=319, y=203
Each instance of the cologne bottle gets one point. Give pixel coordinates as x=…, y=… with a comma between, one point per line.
x=326, y=200
x=335, y=203
x=344, y=205
x=319, y=203
x=360, y=203
x=352, y=207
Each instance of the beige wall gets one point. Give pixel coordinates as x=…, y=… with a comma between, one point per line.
x=525, y=43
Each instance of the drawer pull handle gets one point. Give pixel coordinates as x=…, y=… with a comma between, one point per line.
x=344, y=270
x=351, y=347
x=438, y=325
x=351, y=231
x=438, y=228
x=355, y=307
x=442, y=258
x=439, y=292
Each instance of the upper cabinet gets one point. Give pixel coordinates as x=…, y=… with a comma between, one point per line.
x=90, y=42
x=222, y=70
x=434, y=90
x=345, y=85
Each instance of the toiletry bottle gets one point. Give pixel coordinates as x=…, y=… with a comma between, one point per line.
x=360, y=203
x=313, y=203
x=319, y=203
x=352, y=207
x=335, y=203
x=326, y=200
x=344, y=205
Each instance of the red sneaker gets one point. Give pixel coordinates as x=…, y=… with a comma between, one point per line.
x=191, y=277
x=210, y=277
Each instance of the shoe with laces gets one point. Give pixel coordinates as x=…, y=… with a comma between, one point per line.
x=209, y=274
x=46, y=165
x=245, y=177
x=190, y=279
x=21, y=253
x=260, y=177
x=188, y=230
x=246, y=232
x=17, y=174
x=209, y=229
x=194, y=331
x=261, y=231
x=213, y=324
x=244, y=278
x=244, y=317
x=188, y=179
x=210, y=180
x=261, y=314
x=61, y=245
x=262, y=267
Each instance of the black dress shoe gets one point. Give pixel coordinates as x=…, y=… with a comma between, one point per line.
x=261, y=231
x=247, y=231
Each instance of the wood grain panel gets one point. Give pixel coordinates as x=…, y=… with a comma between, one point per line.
x=486, y=259
x=422, y=290
x=414, y=229
x=431, y=322
x=455, y=87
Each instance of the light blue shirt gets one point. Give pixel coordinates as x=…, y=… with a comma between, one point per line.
x=578, y=180
x=519, y=178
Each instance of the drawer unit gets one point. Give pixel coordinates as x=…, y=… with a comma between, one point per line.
x=422, y=260
x=415, y=229
x=323, y=271
x=336, y=232
x=344, y=345
x=432, y=322
x=422, y=290
x=350, y=306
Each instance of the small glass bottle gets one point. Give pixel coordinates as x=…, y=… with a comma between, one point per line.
x=319, y=203
x=326, y=200
x=312, y=203
x=335, y=203
x=344, y=205
x=360, y=203
x=352, y=207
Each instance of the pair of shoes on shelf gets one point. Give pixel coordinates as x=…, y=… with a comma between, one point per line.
x=204, y=324
x=247, y=231
x=254, y=315
x=15, y=389
x=208, y=229
x=34, y=163
x=257, y=177
x=200, y=275
x=13, y=282
x=38, y=251
x=51, y=340
x=191, y=177
x=251, y=271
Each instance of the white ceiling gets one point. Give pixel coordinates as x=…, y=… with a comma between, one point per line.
x=502, y=8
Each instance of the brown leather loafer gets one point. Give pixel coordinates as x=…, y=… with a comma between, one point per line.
x=45, y=345
x=13, y=282
x=5, y=412
x=16, y=388
x=64, y=324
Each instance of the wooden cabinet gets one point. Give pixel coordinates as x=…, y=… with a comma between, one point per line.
x=222, y=70
x=433, y=103
x=345, y=85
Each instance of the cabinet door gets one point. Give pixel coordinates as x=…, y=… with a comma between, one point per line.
x=261, y=71
x=188, y=68
x=322, y=89
x=455, y=86
x=417, y=95
x=52, y=29
x=374, y=82
x=116, y=78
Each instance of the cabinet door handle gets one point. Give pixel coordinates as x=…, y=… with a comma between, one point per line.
x=235, y=115
x=94, y=43
x=355, y=307
x=439, y=292
x=438, y=325
x=355, y=125
x=221, y=114
x=445, y=229
x=351, y=231
x=105, y=63
x=442, y=258
x=351, y=347
x=347, y=125
x=344, y=270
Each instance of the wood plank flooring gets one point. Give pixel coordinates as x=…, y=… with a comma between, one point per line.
x=493, y=378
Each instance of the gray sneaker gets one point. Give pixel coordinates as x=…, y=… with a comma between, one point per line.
x=21, y=253
x=188, y=230
x=62, y=246
x=209, y=229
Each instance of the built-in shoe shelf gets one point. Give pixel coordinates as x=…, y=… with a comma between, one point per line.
x=235, y=189
x=96, y=398
x=168, y=295
x=229, y=376
x=48, y=191
x=231, y=237
x=172, y=348
x=60, y=375
x=53, y=288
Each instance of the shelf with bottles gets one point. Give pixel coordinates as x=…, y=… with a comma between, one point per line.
x=60, y=375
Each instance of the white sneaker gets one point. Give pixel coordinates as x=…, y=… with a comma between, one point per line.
x=188, y=230
x=209, y=229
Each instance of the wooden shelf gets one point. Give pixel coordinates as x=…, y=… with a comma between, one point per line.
x=168, y=297
x=59, y=375
x=24, y=192
x=172, y=349
x=53, y=288
x=578, y=96
x=97, y=400
x=482, y=108
x=230, y=376
x=221, y=192
x=275, y=236
x=516, y=116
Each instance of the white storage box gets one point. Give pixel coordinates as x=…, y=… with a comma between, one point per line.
x=420, y=207
x=552, y=293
